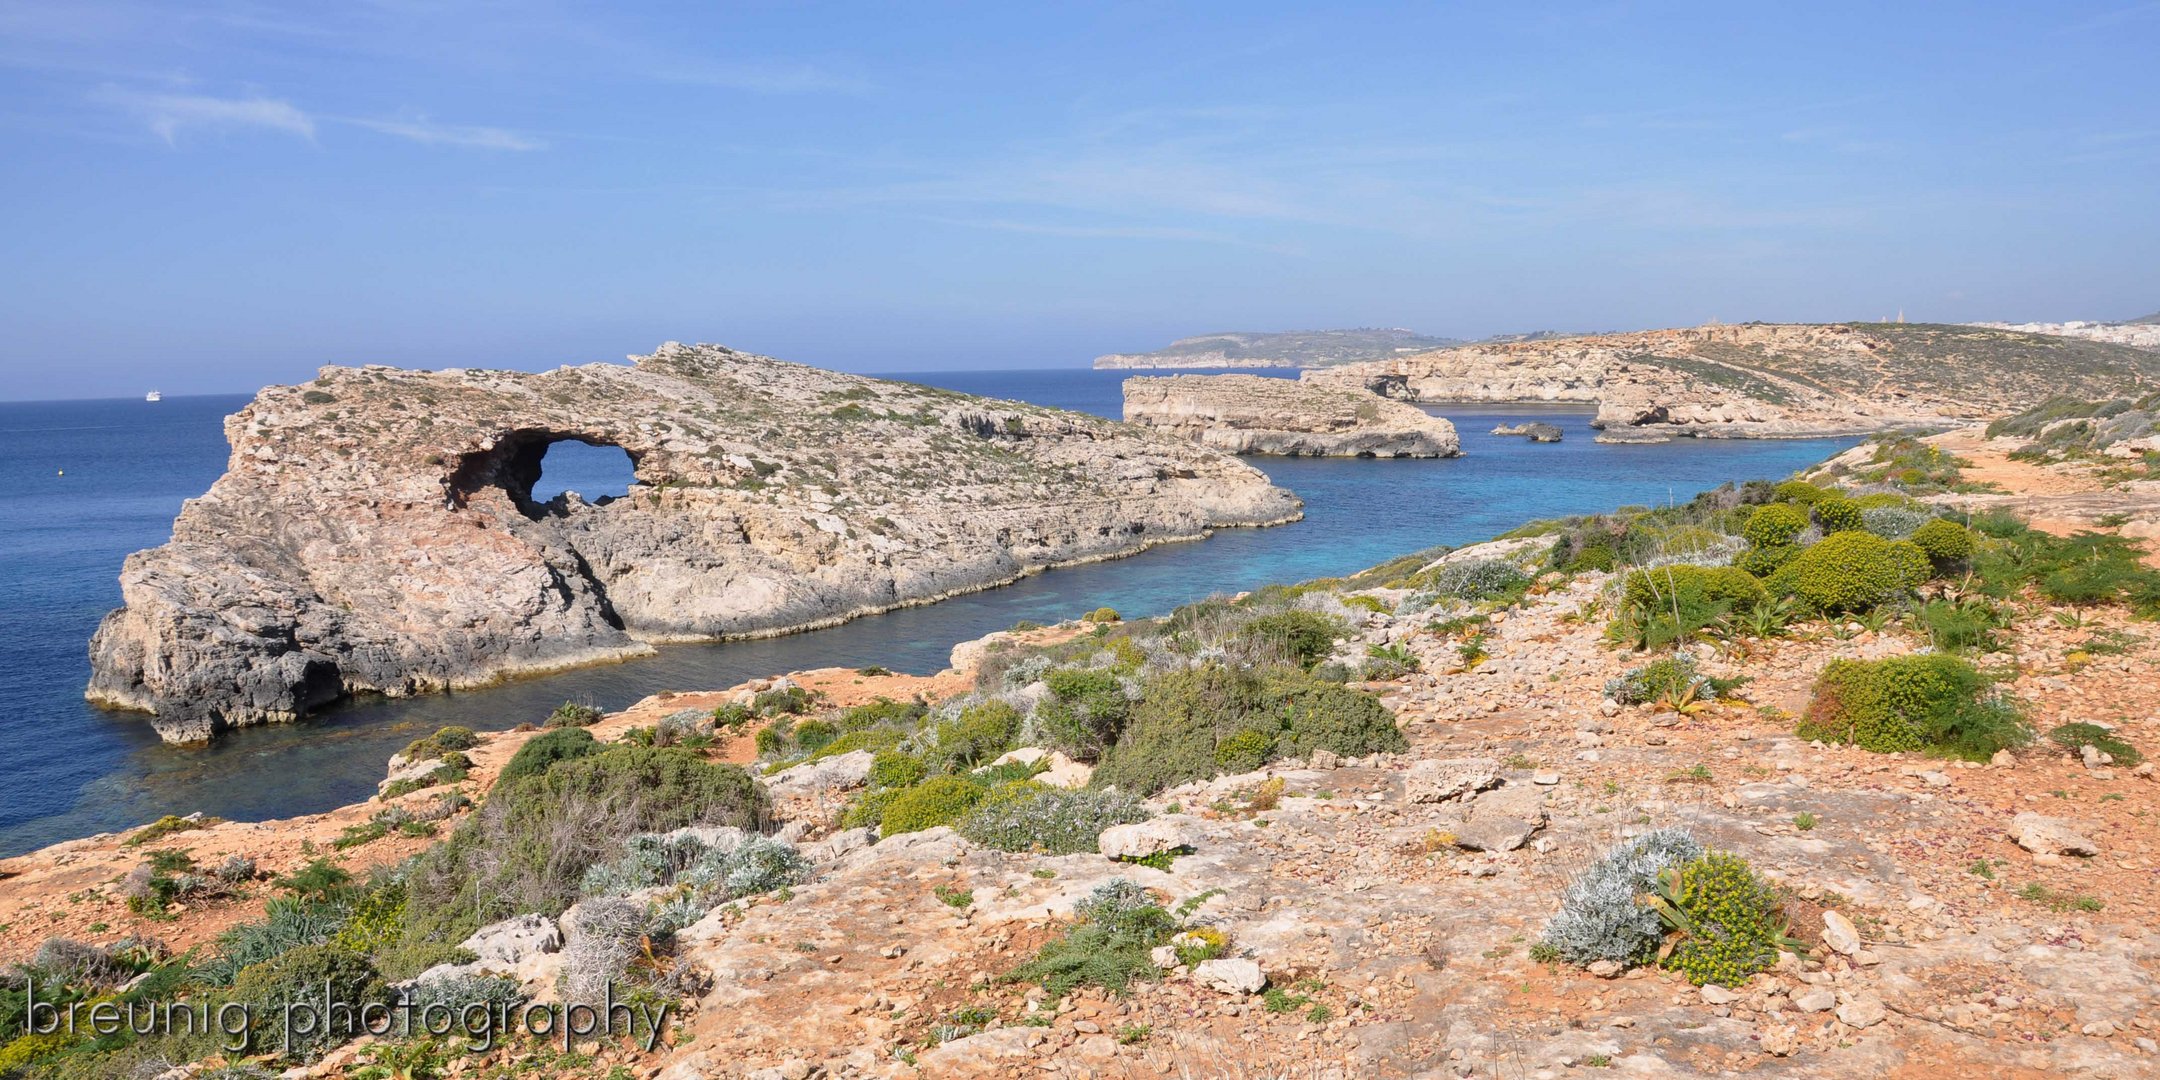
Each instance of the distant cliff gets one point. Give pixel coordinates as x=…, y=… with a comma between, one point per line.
x=1255, y=414
x=1289, y=349
x=1767, y=380
x=375, y=531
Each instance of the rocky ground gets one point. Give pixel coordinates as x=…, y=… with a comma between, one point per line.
x=1252, y=414
x=1390, y=903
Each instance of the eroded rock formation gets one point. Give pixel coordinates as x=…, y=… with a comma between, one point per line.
x=375, y=530
x=1767, y=381
x=1255, y=414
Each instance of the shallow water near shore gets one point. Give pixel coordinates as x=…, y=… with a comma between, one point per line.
x=83, y=483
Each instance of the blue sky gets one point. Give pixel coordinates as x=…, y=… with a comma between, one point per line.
x=212, y=196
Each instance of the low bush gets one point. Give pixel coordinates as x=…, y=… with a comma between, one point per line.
x=1665, y=586
x=1946, y=543
x=940, y=800
x=317, y=975
x=1671, y=680
x=893, y=769
x=1102, y=615
x=1851, y=572
x=1298, y=637
x=573, y=714
x=1480, y=579
x=1837, y=514
x=1800, y=492
x=1931, y=702
x=1601, y=915
x=1961, y=625
x=1774, y=524
x=1895, y=522
x=1730, y=923
x=1027, y=816
x=546, y=749
x=442, y=742
x=980, y=733
x=528, y=846
x=1085, y=712
x=1765, y=561
x=1184, y=718
x=2075, y=736
x=1120, y=926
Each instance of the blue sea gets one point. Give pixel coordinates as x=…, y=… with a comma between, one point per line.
x=84, y=483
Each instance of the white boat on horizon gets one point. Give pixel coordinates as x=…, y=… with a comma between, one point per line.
x=153, y=396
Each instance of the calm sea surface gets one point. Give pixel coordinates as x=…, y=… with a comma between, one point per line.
x=83, y=483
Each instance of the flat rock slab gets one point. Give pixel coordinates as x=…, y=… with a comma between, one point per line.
x=2043, y=835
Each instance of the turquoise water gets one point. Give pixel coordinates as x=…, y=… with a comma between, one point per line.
x=74, y=770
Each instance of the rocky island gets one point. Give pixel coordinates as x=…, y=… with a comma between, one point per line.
x=1759, y=380
x=375, y=530
x=1285, y=349
x=1256, y=414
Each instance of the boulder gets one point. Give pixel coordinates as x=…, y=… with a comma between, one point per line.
x=1503, y=819
x=1152, y=837
x=506, y=944
x=2043, y=835
x=825, y=776
x=1438, y=780
x=1230, y=976
x=1840, y=934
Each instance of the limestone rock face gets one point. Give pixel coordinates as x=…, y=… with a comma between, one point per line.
x=375, y=530
x=1254, y=414
x=1765, y=381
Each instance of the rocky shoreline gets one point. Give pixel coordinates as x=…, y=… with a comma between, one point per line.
x=374, y=532
x=1254, y=414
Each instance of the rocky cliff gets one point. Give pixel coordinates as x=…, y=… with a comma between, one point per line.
x=1768, y=381
x=1255, y=414
x=375, y=531
x=1287, y=349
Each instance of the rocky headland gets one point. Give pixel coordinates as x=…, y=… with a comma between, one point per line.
x=1256, y=414
x=1767, y=380
x=1285, y=349
x=375, y=530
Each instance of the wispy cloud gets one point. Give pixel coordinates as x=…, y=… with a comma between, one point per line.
x=168, y=114
x=757, y=77
x=423, y=130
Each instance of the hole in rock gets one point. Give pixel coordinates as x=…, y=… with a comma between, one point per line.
x=594, y=472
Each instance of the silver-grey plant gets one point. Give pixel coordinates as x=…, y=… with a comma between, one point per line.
x=1601, y=916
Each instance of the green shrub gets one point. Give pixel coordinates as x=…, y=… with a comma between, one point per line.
x=1765, y=561
x=884, y=712
x=1299, y=637
x=1102, y=615
x=2074, y=736
x=1961, y=625
x=1120, y=925
x=309, y=974
x=1320, y=715
x=1660, y=587
x=814, y=735
x=1774, y=524
x=1731, y=923
x=980, y=733
x=1027, y=816
x=1670, y=680
x=1244, y=751
x=1838, y=514
x=1851, y=571
x=1085, y=712
x=1184, y=717
x=1799, y=491
x=1947, y=543
x=1480, y=579
x=528, y=846
x=442, y=742
x=573, y=714
x=940, y=800
x=893, y=769
x=1930, y=702
x=545, y=750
